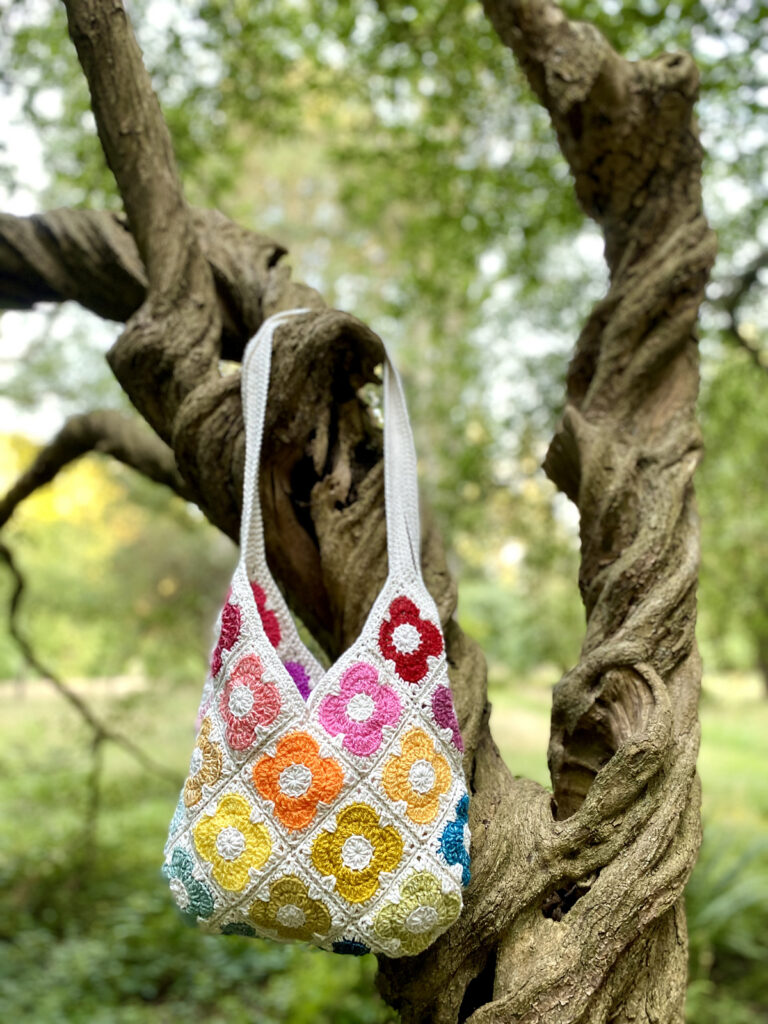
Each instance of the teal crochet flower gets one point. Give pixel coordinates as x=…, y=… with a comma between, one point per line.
x=454, y=842
x=193, y=898
x=178, y=817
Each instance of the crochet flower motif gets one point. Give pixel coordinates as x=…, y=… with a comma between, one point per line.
x=357, y=852
x=409, y=640
x=454, y=842
x=290, y=911
x=178, y=817
x=424, y=911
x=351, y=946
x=228, y=635
x=297, y=779
x=193, y=898
x=300, y=676
x=445, y=716
x=205, y=767
x=237, y=928
x=419, y=775
x=360, y=710
x=268, y=617
x=247, y=702
x=232, y=843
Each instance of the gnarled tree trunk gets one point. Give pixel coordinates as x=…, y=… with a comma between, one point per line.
x=575, y=910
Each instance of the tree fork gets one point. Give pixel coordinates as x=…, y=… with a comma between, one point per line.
x=575, y=910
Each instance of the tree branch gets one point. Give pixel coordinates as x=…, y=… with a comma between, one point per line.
x=730, y=302
x=91, y=257
x=126, y=439
x=101, y=732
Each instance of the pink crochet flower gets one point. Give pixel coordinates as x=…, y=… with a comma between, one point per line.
x=268, y=617
x=247, y=702
x=361, y=709
x=445, y=716
x=408, y=640
x=228, y=637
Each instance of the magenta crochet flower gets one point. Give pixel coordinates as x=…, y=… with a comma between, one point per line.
x=361, y=709
x=445, y=716
x=230, y=631
x=409, y=640
x=247, y=702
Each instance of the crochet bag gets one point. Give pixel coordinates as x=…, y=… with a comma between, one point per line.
x=325, y=805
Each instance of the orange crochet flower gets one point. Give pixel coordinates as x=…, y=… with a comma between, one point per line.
x=297, y=779
x=419, y=775
x=357, y=852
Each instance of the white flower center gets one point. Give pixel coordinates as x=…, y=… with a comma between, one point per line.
x=295, y=780
x=230, y=843
x=361, y=707
x=356, y=853
x=240, y=701
x=466, y=838
x=422, y=919
x=291, y=916
x=422, y=776
x=406, y=638
x=196, y=761
x=180, y=893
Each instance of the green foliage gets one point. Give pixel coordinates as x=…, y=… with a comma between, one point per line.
x=138, y=587
x=88, y=931
x=727, y=907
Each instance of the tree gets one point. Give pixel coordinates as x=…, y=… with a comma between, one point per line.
x=575, y=912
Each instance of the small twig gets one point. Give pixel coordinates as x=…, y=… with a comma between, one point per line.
x=101, y=731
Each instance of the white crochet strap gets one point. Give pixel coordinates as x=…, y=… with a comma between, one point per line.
x=400, y=478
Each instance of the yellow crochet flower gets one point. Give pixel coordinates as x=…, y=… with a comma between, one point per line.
x=419, y=775
x=357, y=852
x=290, y=911
x=205, y=767
x=423, y=913
x=231, y=842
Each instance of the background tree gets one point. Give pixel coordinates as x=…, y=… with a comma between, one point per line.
x=592, y=115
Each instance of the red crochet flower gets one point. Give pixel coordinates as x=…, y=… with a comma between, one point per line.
x=268, y=617
x=409, y=640
x=247, y=702
x=230, y=631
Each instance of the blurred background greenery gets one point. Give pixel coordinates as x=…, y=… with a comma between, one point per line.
x=394, y=149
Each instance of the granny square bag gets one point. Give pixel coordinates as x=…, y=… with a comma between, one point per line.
x=328, y=806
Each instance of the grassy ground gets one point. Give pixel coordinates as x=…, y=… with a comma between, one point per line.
x=94, y=937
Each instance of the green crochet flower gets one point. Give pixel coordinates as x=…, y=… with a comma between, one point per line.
x=423, y=913
x=193, y=898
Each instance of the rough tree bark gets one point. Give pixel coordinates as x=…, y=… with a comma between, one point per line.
x=575, y=911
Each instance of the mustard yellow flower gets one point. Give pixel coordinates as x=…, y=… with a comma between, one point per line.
x=290, y=911
x=357, y=852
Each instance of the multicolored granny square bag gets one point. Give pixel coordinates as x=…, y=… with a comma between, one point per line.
x=325, y=805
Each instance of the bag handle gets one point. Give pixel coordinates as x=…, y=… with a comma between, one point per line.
x=401, y=493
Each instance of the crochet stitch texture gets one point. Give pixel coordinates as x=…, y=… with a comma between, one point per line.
x=327, y=806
